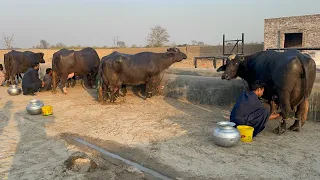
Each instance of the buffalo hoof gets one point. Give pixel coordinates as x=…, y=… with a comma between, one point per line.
x=64, y=90
x=149, y=95
x=279, y=130
x=295, y=126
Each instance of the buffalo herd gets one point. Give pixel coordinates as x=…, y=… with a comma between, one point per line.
x=289, y=75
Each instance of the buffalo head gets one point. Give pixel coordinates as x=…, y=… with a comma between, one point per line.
x=231, y=68
x=41, y=57
x=176, y=54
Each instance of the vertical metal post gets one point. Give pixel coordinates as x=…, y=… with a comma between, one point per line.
x=215, y=63
x=223, y=44
x=195, y=62
x=278, y=39
x=242, y=43
x=238, y=46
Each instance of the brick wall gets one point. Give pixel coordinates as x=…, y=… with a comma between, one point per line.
x=309, y=25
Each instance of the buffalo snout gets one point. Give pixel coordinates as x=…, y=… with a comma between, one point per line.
x=184, y=56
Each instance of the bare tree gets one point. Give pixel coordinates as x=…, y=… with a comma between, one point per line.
x=158, y=36
x=59, y=45
x=8, y=41
x=197, y=43
x=121, y=44
x=200, y=43
x=44, y=44
x=193, y=42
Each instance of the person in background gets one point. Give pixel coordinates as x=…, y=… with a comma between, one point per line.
x=30, y=81
x=47, y=79
x=2, y=75
x=250, y=111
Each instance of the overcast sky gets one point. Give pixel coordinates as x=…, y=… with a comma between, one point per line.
x=96, y=22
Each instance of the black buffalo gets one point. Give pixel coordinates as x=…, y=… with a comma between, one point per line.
x=17, y=62
x=118, y=69
x=82, y=63
x=289, y=75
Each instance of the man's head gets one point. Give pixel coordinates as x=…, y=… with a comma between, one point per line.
x=35, y=66
x=258, y=87
x=49, y=71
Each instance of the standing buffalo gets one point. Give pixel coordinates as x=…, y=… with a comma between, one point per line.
x=290, y=75
x=82, y=63
x=119, y=69
x=17, y=62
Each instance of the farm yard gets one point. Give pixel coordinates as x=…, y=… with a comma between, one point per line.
x=170, y=136
x=192, y=83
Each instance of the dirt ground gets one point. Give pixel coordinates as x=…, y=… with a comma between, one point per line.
x=169, y=136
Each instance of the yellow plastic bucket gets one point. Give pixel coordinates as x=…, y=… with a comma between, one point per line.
x=46, y=110
x=246, y=133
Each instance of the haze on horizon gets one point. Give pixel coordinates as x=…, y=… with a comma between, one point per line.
x=96, y=22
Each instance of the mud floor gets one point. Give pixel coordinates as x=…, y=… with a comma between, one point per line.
x=168, y=136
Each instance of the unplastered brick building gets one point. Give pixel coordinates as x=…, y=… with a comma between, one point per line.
x=294, y=31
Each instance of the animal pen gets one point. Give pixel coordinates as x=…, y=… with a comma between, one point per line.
x=224, y=54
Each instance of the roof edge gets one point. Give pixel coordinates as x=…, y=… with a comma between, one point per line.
x=286, y=17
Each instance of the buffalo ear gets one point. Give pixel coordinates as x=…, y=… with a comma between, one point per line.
x=222, y=68
x=170, y=54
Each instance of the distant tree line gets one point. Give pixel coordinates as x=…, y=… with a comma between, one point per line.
x=157, y=37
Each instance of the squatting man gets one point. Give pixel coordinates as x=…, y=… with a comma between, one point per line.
x=250, y=111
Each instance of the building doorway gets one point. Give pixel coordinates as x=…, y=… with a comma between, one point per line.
x=292, y=40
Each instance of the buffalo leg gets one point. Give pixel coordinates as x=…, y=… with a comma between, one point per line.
x=149, y=87
x=68, y=83
x=100, y=92
x=301, y=115
x=63, y=80
x=124, y=90
x=73, y=81
x=19, y=76
x=285, y=111
x=54, y=81
x=13, y=80
x=113, y=91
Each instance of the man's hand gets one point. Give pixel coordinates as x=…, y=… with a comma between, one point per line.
x=42, y=85
x=274, y=116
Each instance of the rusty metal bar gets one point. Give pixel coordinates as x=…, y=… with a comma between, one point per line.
x=223, y=44
x=299, y=49
x=242, y=43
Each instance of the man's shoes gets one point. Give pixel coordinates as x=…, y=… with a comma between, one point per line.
x=30, y=94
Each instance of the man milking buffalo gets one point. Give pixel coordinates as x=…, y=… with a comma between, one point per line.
x=47, y=79
x=250, y=111
x=30, y=81
x=288, y=75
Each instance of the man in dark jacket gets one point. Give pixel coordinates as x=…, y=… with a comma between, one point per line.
x=30, y=81
x=250, y=111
